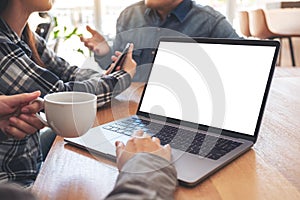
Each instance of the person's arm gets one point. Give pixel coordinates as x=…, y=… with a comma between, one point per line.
x=145, y=169
x=57, y=76
x=145, y=176
x=221, y=28
x=103, y=61
x=87, y=80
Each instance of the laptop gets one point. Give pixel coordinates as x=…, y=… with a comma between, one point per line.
x=204, y=97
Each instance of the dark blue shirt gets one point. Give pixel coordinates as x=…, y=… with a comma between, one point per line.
x=143, y=27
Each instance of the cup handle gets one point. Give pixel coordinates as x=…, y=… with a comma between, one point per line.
x=41, y=101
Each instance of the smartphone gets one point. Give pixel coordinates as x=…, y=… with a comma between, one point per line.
x=121, y=59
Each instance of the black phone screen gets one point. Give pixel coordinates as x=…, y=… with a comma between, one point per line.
x=122, y=57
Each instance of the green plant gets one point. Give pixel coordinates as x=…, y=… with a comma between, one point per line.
x=65, y=34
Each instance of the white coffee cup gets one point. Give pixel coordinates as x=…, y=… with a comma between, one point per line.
x=69, y=114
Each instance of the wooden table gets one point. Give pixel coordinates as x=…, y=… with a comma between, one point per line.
x=270, y=170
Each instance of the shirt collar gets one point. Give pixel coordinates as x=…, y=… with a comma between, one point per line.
x=8, y=32
x=180, y=11
x=5, y=29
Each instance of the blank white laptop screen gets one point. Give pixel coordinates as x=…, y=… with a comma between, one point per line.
x=202, y=81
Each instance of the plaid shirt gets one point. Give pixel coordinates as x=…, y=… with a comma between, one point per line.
x=20, y=159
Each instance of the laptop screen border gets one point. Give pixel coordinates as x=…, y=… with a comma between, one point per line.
x=203, y=127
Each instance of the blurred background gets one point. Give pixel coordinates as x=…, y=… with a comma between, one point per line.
x=71, y=17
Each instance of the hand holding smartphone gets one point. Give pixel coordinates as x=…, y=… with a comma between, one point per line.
x=121, y=59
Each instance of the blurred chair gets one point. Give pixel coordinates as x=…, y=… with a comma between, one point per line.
x=244, y=23
x=45, y=28
x=259, y=29
x=47, y=137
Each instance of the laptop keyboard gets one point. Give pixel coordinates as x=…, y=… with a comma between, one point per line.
x=185, y=140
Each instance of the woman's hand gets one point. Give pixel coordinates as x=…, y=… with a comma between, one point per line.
x=17, y=116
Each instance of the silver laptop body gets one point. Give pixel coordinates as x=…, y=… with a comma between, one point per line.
x=212, y=87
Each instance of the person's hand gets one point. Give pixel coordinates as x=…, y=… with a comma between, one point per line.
x=140, y=142
x=96, y=43
x=17, y=118
x=10, y=105
x=129, y=65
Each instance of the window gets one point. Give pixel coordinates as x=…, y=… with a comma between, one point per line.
x=110, y=11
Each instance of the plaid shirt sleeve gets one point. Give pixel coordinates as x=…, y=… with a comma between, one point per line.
x=18, y=74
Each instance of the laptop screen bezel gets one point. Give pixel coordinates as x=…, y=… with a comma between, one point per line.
x=203, y=127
